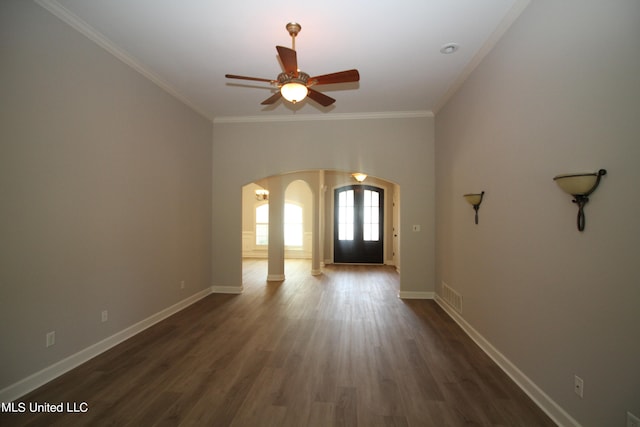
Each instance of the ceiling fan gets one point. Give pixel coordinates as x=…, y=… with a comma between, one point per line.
x=295, y=85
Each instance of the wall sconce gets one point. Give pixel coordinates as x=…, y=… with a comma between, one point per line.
x=360, y=177
x=475, y=200
x=262, y=194
x=580, y=186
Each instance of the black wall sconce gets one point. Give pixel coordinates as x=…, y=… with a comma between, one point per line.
x=474, y=200
x=580, y=186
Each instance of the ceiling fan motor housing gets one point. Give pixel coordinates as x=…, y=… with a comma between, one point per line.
x=284, y=78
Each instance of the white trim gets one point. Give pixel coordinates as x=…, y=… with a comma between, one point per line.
x=227, y=289
x=275, y=277
x=539, y=397
x=51, y=372
x=415, y=295
x=316, y=117
x=316, y=272
x=95, y=36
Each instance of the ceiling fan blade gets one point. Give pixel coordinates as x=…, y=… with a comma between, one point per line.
x=272, y=99
x=339, y=77
x=289, y=60
x=258, y=79
x=320, y=98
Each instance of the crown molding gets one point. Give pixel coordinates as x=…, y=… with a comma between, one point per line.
x=68, y=17
x=516, y=10
x=320, y=117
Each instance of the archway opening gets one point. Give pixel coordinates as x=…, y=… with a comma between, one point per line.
x=307, y=216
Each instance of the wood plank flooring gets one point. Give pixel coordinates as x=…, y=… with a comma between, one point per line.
x=338, y=349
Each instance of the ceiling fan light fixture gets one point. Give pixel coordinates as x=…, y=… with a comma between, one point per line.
x=294, y=91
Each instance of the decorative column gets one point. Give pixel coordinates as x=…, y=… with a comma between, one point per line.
x=276, y=230
x=322, y=197
x=315, y=232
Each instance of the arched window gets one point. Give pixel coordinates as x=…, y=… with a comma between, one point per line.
x=262, y=225
x=292, y=225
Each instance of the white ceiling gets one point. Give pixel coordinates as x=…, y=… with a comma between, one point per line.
x=188, y=46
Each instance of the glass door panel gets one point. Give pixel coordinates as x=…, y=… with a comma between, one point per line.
x=358, y=222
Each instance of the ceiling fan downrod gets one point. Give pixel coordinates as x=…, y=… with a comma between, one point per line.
x=293, y=28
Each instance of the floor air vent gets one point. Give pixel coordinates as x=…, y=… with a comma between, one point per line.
x=452, y=298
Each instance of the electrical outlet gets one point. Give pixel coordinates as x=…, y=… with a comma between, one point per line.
x=632, y=420
x=51, y=338
x=105, y=315
x=578, y=385
x=182, y=284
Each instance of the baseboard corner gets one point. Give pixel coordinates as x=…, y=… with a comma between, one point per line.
x=415, y=295
x=218, y=289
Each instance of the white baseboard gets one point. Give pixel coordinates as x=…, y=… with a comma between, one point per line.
x=551, y=408
x=227, y=289
x=415, y=295
x=316, y=272
x=30, y=383
x=275, y=277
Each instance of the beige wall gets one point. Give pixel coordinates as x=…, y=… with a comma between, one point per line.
x=105, y=193
x=397, y=149
x=558, y=94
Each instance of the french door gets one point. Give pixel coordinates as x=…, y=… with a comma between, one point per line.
x=358, y=224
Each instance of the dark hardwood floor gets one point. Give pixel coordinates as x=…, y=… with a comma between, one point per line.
x=338, y=349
